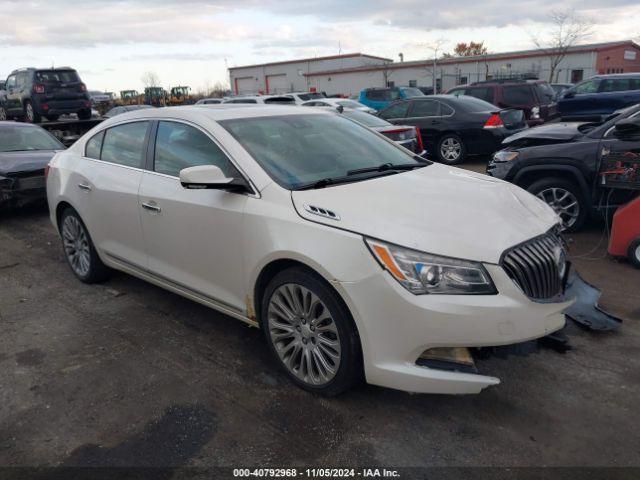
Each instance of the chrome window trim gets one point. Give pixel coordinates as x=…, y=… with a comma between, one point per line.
x=606, y=134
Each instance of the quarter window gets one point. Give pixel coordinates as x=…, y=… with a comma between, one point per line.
x=94, y=146
x=124, y=144
x=181, y=146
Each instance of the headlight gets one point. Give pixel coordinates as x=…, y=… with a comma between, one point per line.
x=505, y=156
x=422, y=273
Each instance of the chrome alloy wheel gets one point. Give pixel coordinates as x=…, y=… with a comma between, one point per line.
x=3, y=114
x=450, y=149
x=76, y=246
x=30, y=114
x=563, y=202
x=304, y=334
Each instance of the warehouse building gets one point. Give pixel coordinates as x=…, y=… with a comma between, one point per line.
x=348, y=74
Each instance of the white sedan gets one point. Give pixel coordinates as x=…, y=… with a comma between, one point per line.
x=339, y=102
x=356, y=258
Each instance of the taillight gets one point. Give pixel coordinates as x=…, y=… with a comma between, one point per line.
x=419, y=139
x=83, y=87
x=44, y=106
x=38, y=88
x=494, y=121
x=401, y=133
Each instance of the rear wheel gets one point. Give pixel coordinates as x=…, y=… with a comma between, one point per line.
x=310, y=332
x=79, y=249
x=565, y=198
x=634, y=253
x=30, y=114
x=3, y=114
x=451, y=150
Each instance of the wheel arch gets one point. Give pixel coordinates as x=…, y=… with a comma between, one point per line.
x=531, y=174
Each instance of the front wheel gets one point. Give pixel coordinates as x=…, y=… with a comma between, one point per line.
x=565, y=198
x=634, y=253
x=451, y=149
x=311, y=333
x=79, y=249
x=3, y=114
x=84, y=114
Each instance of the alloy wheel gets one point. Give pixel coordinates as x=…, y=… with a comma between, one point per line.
x=563, y=202
x=304, y=334
x=76, y=245
x=30, y=114
x=450, y=149
x=3, y=114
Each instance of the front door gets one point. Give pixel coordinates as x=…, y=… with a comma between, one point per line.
x=193, y=237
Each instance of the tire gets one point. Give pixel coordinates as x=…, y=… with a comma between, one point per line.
x=634, y=253
x=84, y=114
x=3, y=114
x=565, y=197
x=53, y=118
x=30, y=113
x=79, y=250
x=325, y=312
x=450, y=149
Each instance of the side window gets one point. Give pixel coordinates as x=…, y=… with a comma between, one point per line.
x=616, y=85
x=11, y=82
x=124, y=144
x=425, y=108
x=457, y=92
x=590, y=86
x=21, y=79
x=399, y=110
x=181, y=146
x=485, y=93
x=446, y=110
x=94, y=146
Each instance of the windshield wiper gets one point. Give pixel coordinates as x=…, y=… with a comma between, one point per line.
x=386, y=167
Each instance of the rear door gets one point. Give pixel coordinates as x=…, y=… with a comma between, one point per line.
x=428, y=117
x=617, y=93
x=60, y=84
x=106, y=182
x=193, y=237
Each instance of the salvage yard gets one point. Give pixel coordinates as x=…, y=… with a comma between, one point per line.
x=127, y=374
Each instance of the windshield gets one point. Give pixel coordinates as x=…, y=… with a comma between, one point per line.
x=297, y=150
x=412, y=92
x=365, y=118
x=57, y=76
x=350, y=104
x=473, y=104
x=546, y=91
x=16, y=139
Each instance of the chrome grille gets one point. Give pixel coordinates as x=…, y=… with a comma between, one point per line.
x=538, y=266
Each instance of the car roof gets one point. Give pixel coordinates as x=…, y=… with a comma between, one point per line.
x=216, y=112
x=617, y=75
x=10, y=123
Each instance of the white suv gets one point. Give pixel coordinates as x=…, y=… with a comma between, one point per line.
x=355, y=257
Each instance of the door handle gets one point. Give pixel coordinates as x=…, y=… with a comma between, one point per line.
x=84, y=186
x=152, y=207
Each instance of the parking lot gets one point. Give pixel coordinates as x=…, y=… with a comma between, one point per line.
x=127, y=374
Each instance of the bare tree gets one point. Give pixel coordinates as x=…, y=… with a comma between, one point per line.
x=436, y=49
x=150, y=79
x=567, y=30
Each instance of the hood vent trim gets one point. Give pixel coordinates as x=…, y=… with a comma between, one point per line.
x=321, y=212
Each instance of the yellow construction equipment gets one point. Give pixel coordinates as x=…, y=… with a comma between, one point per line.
x=129, y=97
x=180, y=95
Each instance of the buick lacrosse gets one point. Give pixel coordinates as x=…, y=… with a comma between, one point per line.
x=356, y=258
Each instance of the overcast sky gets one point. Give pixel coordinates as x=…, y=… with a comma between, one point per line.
x=112, y=43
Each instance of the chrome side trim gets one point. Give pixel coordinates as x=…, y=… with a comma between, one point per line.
x=179, y=289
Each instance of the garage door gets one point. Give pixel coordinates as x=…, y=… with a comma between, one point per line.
x=277, y=83
x=245, y=85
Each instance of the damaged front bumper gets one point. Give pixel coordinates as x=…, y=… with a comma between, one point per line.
x=22, y=190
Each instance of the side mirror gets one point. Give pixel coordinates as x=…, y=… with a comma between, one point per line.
x=210, y=177
x=628, y=127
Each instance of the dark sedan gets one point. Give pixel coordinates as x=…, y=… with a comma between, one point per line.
x=454, y=127
x=25, y=151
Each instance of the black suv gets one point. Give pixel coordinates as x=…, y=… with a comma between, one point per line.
x=576, y=168
x=535, y=98
x=32, y=93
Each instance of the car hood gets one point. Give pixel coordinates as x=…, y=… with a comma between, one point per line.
x=556, y=132
x=436, y=209
x=16, y=162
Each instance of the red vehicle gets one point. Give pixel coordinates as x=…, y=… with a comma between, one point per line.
x=535, y=98
x=625, y=232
